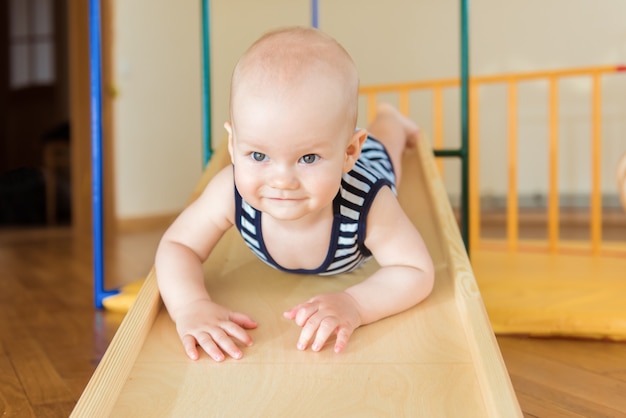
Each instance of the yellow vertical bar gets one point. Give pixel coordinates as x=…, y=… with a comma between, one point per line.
x=371, y=107
x=474, y=179
x=596, y=153
x=438, y=124
x=553, y=188
x=403, y=106
x=512, y=203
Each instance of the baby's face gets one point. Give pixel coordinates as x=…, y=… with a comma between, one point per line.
x=289, y=155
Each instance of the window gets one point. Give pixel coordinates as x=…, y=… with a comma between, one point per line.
x=31, y=40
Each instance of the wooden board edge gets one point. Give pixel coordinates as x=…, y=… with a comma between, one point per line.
x=496, y=387
x=104, y=387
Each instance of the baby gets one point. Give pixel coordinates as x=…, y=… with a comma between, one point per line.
x=309, y=193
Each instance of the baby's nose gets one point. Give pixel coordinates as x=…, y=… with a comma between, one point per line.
x=284, y=177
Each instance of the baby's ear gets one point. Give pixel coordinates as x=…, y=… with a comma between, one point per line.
x=353, y=149
x=229, y=129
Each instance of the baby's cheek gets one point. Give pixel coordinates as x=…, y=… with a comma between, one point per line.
x=247, y=180
x=328, y=186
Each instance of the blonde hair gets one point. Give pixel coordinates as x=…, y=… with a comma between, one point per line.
x=286, y=58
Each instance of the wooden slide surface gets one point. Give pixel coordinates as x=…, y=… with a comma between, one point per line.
x=439, y=358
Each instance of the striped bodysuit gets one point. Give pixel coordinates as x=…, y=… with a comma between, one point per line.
x=346, y=250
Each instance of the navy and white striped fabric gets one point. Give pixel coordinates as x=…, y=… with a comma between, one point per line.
x=347, y=250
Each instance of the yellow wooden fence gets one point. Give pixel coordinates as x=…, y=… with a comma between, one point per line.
x=553, y=243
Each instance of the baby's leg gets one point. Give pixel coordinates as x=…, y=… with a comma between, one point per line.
x=396, y=132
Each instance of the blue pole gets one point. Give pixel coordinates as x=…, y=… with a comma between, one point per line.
x=315, y=15
x=96, y=150
x=206, y=82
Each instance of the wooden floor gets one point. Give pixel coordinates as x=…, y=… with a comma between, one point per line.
x=51, y=337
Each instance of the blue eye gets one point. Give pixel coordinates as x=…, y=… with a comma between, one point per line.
x=258, y=156
x=309, y=158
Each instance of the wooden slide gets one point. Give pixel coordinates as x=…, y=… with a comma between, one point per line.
x=439, y=358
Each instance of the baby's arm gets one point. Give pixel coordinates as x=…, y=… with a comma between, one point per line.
x=182, y=250
x=405, y=278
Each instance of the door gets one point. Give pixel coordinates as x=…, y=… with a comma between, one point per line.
x=34, y=106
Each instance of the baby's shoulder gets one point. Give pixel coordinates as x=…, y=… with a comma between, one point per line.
x=384, y=203
x=221, y=182
x=218, y=194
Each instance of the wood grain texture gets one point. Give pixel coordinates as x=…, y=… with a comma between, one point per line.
x=36, y=373
x=439, y=358
x=566, y=377
x=51, y=337
x=492, y=374
x=74, y=335
x=13, y=399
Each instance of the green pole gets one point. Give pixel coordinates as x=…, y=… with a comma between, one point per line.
x=463, y=151
x=206, y=83
x=465, y=122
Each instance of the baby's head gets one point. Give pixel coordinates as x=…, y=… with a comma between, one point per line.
x=293, y=110
x=298, y=73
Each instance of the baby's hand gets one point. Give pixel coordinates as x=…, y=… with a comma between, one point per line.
x=213, y=327
x=323, y=315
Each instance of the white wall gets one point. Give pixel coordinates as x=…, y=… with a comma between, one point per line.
x=158, y=77
x=235, y=25
x=407, y=40
x=157, y=118
x=158, y=110
x=537, y=35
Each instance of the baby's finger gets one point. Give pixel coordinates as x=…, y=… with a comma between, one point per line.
x=243, y=320
x=210, y=346
x=304, y=314
x=308, y=330
x=225, y=342
x=325, y=329
x=343, y=336
x=235, y=331
x=189, y=344
x=291, y=313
